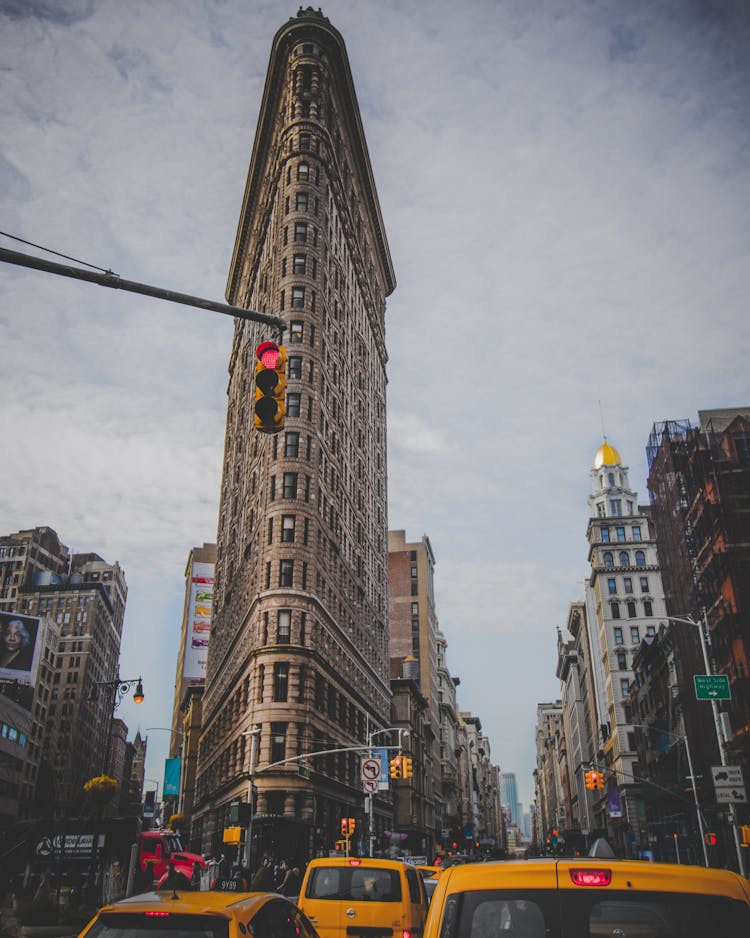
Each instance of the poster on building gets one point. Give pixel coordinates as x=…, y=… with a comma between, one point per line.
x=199, y=612
x=19, y=638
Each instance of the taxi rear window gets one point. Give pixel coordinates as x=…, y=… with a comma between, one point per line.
x=142, y=925
x=494, y=913
x=653, y=915
x=354, y=884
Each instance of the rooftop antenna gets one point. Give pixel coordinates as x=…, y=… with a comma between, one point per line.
x=601, y=417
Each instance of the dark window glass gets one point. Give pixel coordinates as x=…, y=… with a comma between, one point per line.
x=360, y=884
x=295, y=366
x=138, y=924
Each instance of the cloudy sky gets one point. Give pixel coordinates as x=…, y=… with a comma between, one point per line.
x=566, y=191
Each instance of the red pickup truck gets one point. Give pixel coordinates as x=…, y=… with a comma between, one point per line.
x=160, y=848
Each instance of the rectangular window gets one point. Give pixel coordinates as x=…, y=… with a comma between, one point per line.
x=628, y=581
x=298, y=297
x=303, y=171
x=301, y=201
x=296, y=331
x=280, y=681
x=624, y=686
x=261, y=681
x=615, y=607
x=278, y=742
x=644, y=584
x=299, y=263
x=635, y=635
x=622, y=661
x=304, y=141
x=616, y=507
x=631, y=610
x=605, y=535
x=284, y=627
x=620, y=533
x=650, y=630
x=648, y=609
x=286, y=573
x=291, y=443
x=300, y=232
x=287, y=528
x=290, y=485
x=618, y=636
x=295, y=366
x=293, y=401
x=612, y=586
x=636, y=532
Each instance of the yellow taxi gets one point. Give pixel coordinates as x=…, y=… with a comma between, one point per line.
x=588, y=898
x=184, y=914
x=359, y=897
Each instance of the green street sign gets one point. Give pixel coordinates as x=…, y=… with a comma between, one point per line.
x=712, y=687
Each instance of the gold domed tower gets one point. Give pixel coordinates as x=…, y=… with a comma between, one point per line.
x=606, y=455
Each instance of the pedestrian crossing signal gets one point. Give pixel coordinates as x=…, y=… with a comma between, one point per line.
x=270, y=387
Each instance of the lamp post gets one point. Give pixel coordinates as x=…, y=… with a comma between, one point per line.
x=117, y=688
x=702, y=627
x=254, y=735
x=166, y=729
x=370, y=807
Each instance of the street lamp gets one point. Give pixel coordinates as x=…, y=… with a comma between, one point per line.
x=703, y=632
x=370, y=807
x=254, y=735
x=117, y=688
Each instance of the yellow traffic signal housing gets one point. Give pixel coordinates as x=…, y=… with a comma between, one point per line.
x=408, y=767
x=396, y=767
x=594, y=779
x=745, y=832
x=270, y=387
x=232, y=835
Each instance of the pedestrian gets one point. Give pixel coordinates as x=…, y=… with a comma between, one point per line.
x=291, y=883
x=263, y=881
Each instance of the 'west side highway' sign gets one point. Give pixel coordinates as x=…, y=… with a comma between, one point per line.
x=712, y=687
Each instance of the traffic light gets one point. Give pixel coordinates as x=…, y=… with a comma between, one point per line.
x=711, y=840
x=408, y=767
x=594, y=779
x=396, y=767
x=745, y=832
x=347, y=826
x=270, y=385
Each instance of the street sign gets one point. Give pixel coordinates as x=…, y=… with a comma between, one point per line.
x=370, y=785
x=731, y=795
x=727, y=776
x=712, y=687
x=370, y=770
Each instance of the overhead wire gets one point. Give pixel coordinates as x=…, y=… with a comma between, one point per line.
x=67, y=257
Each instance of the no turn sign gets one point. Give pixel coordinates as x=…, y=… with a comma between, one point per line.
x=370, y=770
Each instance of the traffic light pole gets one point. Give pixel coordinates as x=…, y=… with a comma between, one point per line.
x=370, y=803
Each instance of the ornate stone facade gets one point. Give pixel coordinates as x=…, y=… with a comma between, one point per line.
x=299, y=643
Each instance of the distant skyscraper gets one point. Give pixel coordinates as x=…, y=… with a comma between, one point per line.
x=509, y=796
x=299, y=643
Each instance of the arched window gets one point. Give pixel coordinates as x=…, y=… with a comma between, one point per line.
x=608, y=559
x=624, y=559
x=640, y=559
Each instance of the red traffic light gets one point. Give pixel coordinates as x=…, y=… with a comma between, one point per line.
x=268, y=354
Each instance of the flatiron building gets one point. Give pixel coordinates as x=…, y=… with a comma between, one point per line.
x=299, y=638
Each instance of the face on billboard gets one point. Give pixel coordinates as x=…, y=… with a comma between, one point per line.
x=18, y=636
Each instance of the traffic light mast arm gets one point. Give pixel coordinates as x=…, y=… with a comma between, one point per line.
x=115, y=282
x=321, y=752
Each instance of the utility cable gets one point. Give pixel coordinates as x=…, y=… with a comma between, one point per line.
x=56, y=253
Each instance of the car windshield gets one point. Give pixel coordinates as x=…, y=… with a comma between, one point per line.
x=166, y=924
x=360, y=884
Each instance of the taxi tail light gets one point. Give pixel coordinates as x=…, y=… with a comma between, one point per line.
x=406, y=933
x=355, y=862
x=589, y=877
x=156, y=914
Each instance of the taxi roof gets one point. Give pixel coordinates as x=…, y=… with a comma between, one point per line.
x=360, y=861
x=186, y=901
x=554, y=873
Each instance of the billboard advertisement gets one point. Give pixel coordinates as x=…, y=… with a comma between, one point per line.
x=19, y=638
x=199, y=612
